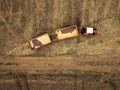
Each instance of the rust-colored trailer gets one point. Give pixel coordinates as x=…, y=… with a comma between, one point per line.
x=67, y=32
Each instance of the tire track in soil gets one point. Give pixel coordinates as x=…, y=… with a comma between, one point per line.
x=19, y=84
x=112, y=84
x=83, y=12
x=75, y=82
x=107, y=8
x=22, y=82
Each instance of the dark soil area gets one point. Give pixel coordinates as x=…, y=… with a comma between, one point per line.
x=60, y=80
x=64, y=73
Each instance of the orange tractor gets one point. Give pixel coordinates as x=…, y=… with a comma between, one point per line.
x=89, y=31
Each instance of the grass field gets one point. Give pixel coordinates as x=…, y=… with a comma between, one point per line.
x=22, y=20
x=80, y=63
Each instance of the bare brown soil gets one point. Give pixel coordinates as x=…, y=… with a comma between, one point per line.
x=60, y=73
x=60, y=63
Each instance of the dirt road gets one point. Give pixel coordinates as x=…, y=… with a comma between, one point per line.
x=60, y=73
x=60, y=63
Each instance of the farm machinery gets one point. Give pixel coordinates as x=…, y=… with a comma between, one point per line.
x=61, y=34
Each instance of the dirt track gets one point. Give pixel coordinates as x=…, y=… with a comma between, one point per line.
x=61, y=73
x=67, y=63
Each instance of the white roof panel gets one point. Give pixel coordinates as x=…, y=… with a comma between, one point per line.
x=90, y=30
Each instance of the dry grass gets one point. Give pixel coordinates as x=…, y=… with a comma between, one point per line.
x=23, y=20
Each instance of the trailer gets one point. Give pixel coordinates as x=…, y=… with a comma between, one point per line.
x=67, y=32
x=40, y=41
